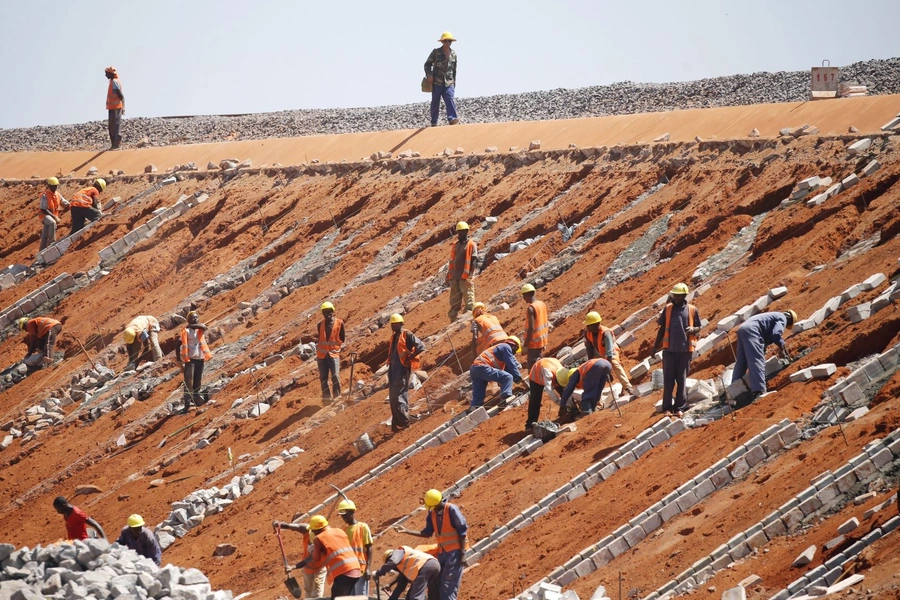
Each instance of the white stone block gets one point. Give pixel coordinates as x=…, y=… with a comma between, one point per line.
x=870, y=168
x=873, y=282
x=810, y=183
x=761, y=303
x=778, y=292
x=801, y=376
x=823, y=371
x=832, y=305
x=639, y=369
x=735, y=389
x=735, y=593
x=891, y=124
x=625, y=339
x=857, y=414
x=849, y=181
x=860, y=312
x=859, y=146
x=773, y=365
x=851, y=292
x=745, y=312
x=817, y=200
x=803, y=325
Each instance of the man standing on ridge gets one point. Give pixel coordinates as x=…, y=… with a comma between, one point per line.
x=361, y=541
x=141, y=335
x=461, y=270
x=76, y=519
x=440, y=69
x=497, y=364
x=591, y=377
x=537, y=325
x=328, y=352
x=140, y=539
x=679, y=324
x=115, y=104
x=600, y=342
x=194, y=354
x=40, y=339
x=753, y=336
x=86, y=205
x=486, y=329
x=403, y=359
x=51, y=203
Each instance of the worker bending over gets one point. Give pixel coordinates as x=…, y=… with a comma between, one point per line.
x=85, y=205
x=51, y=204
x=486, y=329
x=40, y=339
x=601, y=343
x=332, y=550
x=679, y=324
x=497, y=364
x=461, y=271
x=753, y=336
x=140, y=539
x=76, y=519
x=542, y=378
x=328, y=352
x=590, y=377
x=403, y=359
x=420, y=569
x=361, y=541
x=537, y=325
x=142, y=335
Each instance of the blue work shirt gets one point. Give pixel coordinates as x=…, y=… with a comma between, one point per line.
x=770, y=327
x=504, y=353
x=144, y=543
x=678, y=338
x=595, y=379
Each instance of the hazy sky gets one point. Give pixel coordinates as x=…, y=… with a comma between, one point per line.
x=226, y=56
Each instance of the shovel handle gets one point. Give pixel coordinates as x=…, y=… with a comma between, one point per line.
x=287, y=567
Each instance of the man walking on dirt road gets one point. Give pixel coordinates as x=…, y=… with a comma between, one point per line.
x=440, y=69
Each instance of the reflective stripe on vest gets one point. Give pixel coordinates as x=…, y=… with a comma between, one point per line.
x=53, y=203
x=583, y=369
x=447, y=538
x=340, y=558
x=470, y=245
x=490, y=332
x=597, y=341
x=329, y=346
x=541, y=326
x=403, y=352
x=488, y=359
x=193, y=338
x=356, y=543
x=113, y=102
x=40, y=326
x=692, y=339
x=83, y=199
x=537, y=371
x=412, y=562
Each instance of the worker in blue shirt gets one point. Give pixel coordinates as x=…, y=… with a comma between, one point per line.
x=498, y=364
x=591, y=377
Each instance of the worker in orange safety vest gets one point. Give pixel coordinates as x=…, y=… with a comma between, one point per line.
x=542, y=378
x=461, y=271
x=313, y=578
x=591, y=377
x=537, y=326
x=332, y=550
x=51, y=204
x=194, y=353
x=601, y=343
x=85, y=205
x=328, y=352
x=486, y=329
x=360, y=536
x=403, y=359
x=679, y=324
x=40, y=339
x=115, y=104
x=418, y=569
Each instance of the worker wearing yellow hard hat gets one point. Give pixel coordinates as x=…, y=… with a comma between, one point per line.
x=140, y=539
x=446, y=522
x=440, y=72
x=679, y=324
x=332, y=550
x=497, y=364
x=542, y=379
x=361, y=541
x=331, y=336
x=600, y=341
x=115, y=105
x=537, y=325
x=313, y=578
x=753, y=336
x=142, y=336
x=51, y=203
x=403, y=358
x=486, y=329
x=417, y=569
x=85, y=204
x=461, y=271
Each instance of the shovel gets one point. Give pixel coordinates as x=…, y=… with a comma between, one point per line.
x=378, y=585
x=292, y=585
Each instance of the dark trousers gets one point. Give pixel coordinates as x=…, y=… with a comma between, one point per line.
x=193, y=377
x=448, y=93
x=532, y=356
x=80, y=214
x=343, y=586
x=428, y=580
x=329, y=367
x=47, y=343
x=675, y=371
x=535, y=395
x=398, y=396
x=115, y=128
x=451, y=574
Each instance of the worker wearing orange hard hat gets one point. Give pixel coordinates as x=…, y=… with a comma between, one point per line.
x=115, y=105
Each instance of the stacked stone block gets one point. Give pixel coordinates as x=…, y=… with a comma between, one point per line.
x=30, y=303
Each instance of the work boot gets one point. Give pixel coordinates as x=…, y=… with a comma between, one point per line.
x=453, y=121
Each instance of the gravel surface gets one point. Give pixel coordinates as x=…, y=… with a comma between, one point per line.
x=881, y=77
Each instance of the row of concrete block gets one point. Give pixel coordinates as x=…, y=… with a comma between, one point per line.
x=850, y=390
x=834, y=303
x=52, y=253
x=735, y=389
x=845, y=184
x=733, y=467
x=826, y=491
x=863, y=311
x=59, y=285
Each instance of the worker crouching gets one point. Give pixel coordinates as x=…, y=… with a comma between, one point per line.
x=419, y=570
x=542, y=378
x=591, y=377
x=753, y=336
x=40, y=339
x=496, y=364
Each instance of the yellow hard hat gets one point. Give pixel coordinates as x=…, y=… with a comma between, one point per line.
x=680, y=288
x=527, y=289
x=592, y=318
x=317, y=522
x=563, y=374
x=102, y=184
x=433, y=498
x=518, y=342
x=135, y=521
x=130, y=334
x=396, y=318
x=447, y=36
x=462, y=226
x=52, y=181
x=387, y=555
x=20, y=323
x=793, y=316
x=327, y=306
x=478, y=306
x=345, y=506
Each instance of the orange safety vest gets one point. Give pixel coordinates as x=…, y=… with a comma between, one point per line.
x=308, y=539
x=490, y=332
x=54, y=201
x=40, y=326
x=596, y=341
x=583, y=369
x=113, y=102
x=201, y=338
x=470, y=246
x=488, y=359
x=338, y=557
x=692, y=339
x=331, y=346
x=447, y=538
x=537, y=371
x=541, y=332
x=84, y=198
x=356, y=543
x=403, y=352
x=429, y=549
x=412, y=563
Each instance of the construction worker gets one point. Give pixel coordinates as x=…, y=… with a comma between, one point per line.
x=141, y=335
x=51, y=203
x=753, y=336
x=446, y=522
x=332, y=550
x=77, y=520
x=140, y=539
x=498, y=364
x=486, y=329
x=40, y=339
x=542, y=378
x=328, y=352
x=600, y=342
x=361, y=541
x=417, y=568
x=679, y=324
x=194, y=354
x=85, y=204
x=461, y=270
x=313, y=578
x=115, y=104
x=590, y=377
x=440, y=69
x=403, y=359
x=537, y=325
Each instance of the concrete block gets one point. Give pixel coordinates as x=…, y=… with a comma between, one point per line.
x=859, y=146
x=745, y=312
x=733, y=390
x=464, y=425
x=828, y=493
x=602, y=557
x=704, y=489
x=625, y=339
x=773, y=365
x=651, y=523
x=675, y=427
x=810, y=505
x=873, y=370
x=721, y=478
x=625, y=460
x=849, y=181
x=801, y=376
x=634, y=536
x=848, y=526
x=618, y=546
x=823, y=371
x=775, y=528
x=873, y=282
x=658, y=438
x=793, y=518
x=757, y=540
x=852, y=394
x=739, y=551
x=856, y=414
x=871, y=168
x=761, y=304
x=755, y=455
x=639, y=369
x=687, y=500
x=669, y=511
x=772, y=444
x=447, y=435
x=882, y=458
x=891, y=124
x=728, y=323
x=804, y=325
x=790, y=434
x=851, y=292
x=738, y=468
x=805, y=557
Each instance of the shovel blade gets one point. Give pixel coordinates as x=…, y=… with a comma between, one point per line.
x=294, y=587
